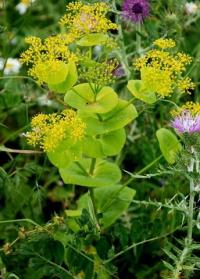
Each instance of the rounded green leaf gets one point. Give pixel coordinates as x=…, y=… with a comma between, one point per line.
x=65, y=153
x=137, y=89
x=70, y=80
x=53, y=73
x=94, y=126
x=84, y=97
x=92, y=39
x=109, y=144
x=169, y=144
x=113, y=142
x=119, y=117
x=112, y=202
x=105, y=173
x=92, y=147
x=79, y=96
x=105, y=101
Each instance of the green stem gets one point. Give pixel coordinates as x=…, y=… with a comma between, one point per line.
x=92, y=166
x=91, y=190
x=144, y=169
x=82, y=168
x=124, y=59
x=190, y=213
x=122, y=54
x=56, y=265
x=188, y=241
x=140, y=243
x=138, y=39
x=110, y=201
x=20, y=220
x=23, y=77
x=9, y=150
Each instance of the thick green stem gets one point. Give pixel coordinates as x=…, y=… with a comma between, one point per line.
x=188, y=241
x=92, y=166
x=110, y=201
x=143, y=170
x=138, y=39
x=122, y=53
x=91, y=191
x=190, y=213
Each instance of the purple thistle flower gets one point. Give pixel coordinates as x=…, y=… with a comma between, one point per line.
x=186, y=123
x=135, y=10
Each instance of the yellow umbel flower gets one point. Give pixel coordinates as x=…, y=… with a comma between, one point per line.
x=87, y=18
x=48, y=131
x=193, y=108
x=98, y=73
x=161, y=71
x=48, y=56
x=164, y=43
x=185, y=85
x=157, y=80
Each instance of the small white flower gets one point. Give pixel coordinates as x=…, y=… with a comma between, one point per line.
x=12, y=66
x=23, y=6
x=191, y=8
x=44, y=101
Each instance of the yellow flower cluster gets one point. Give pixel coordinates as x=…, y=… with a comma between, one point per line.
x=185, y=85
x=47, y=54
x=87, y=18
x=98, y=73
x=194, y=109
x=164, y=43
x=48, y=131
x=161, y=70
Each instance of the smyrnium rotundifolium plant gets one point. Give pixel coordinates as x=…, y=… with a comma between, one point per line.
x=79, y=140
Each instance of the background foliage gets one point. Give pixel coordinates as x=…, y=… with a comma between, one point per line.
x=49, y=246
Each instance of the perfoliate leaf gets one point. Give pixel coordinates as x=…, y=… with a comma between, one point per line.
x=137, y=89
x=70, y=80
x=83, y=96
x=169, y=144
x=115, y=119
x=111, y=201
x=57, y=75
x=105, y=173
x=113, y=142
x=65, y=153
x=109, y=144
x=92, y=39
